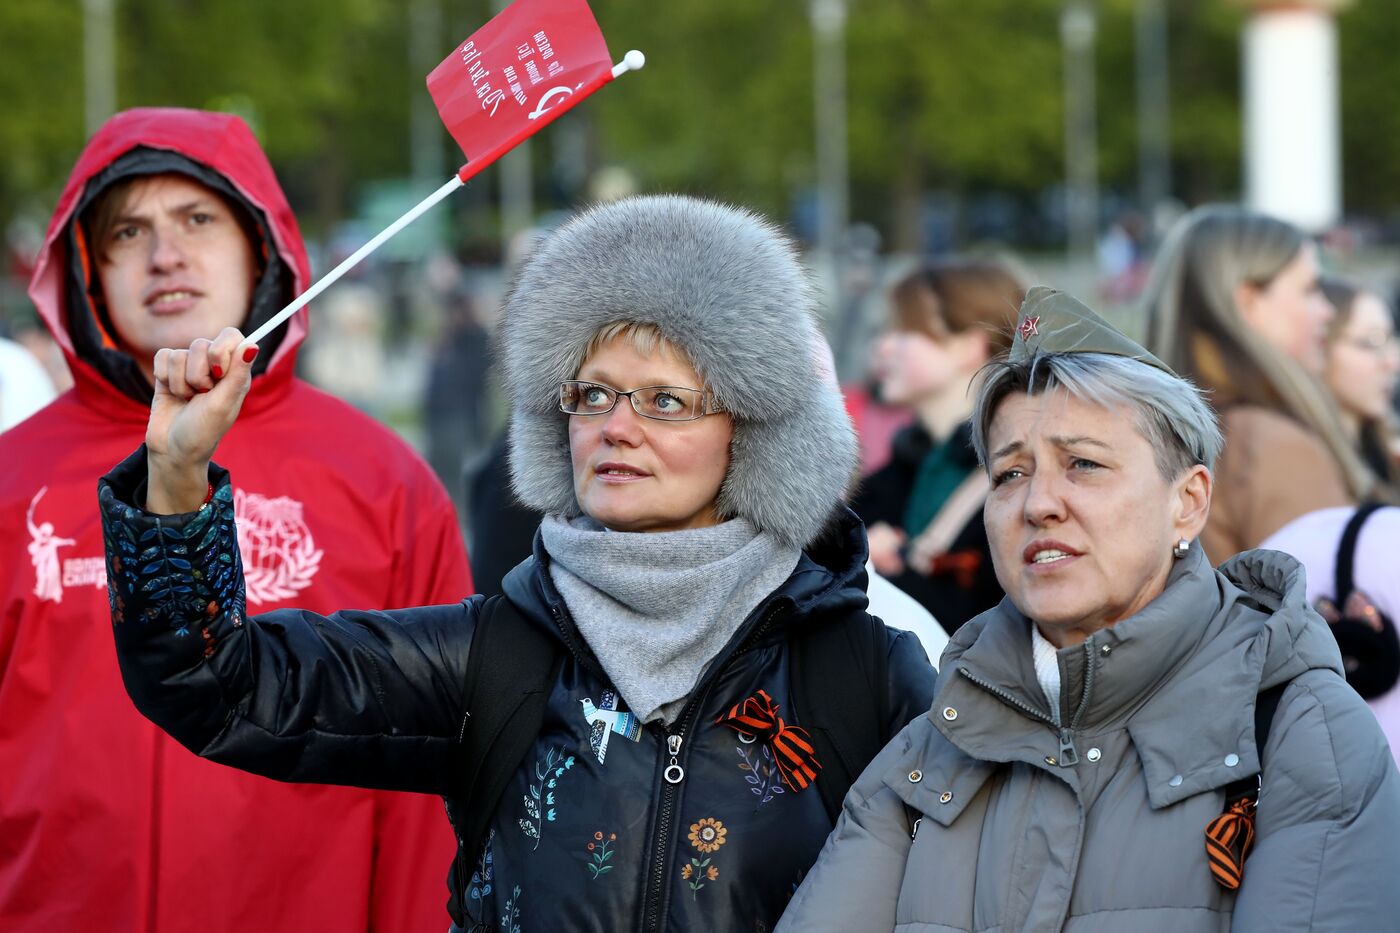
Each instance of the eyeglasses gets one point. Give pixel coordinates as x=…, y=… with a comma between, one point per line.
x=1381, y=346
x=660, y=403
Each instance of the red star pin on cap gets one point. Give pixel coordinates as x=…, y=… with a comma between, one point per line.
x=1061, y=324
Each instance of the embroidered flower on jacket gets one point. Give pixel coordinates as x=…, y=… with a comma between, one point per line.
x=696, y=874
x=539, y=803
x=601, y=848
x=707, y=835
x=510, y=917
x=762, y=776
x=485, y=871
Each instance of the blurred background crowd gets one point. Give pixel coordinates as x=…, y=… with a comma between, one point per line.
x=932, y=157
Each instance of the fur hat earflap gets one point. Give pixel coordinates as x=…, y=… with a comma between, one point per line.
x=724, y=287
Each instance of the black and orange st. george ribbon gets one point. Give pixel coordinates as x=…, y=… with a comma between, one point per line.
x=791, y=745
x=1228, y=838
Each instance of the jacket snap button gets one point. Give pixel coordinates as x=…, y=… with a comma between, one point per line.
x=1050, y=759
x=1231, y=760
x=915, y=776
x=1107, y=649
x=946, y=796
x=949, y=713
x=1093, y=754
x=1175, y=781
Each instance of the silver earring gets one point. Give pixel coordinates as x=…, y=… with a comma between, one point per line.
x=1181, y=548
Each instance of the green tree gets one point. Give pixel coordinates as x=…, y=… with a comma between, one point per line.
x=943, y=96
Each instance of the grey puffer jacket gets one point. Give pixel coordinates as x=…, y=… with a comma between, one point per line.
x=969, y=821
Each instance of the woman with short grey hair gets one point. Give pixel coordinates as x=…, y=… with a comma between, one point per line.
x=1132, y=740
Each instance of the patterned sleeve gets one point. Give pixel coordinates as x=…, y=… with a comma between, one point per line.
x=180, y=572
x=361, y=697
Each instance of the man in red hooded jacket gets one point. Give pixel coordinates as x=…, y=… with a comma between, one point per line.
x=171, y=227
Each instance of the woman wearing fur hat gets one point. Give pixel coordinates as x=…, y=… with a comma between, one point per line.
x=1099, y=741
x=676, y=760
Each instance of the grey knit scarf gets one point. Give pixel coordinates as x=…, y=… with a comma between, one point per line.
x=656, y=608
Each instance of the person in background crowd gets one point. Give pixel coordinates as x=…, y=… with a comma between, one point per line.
x=345, y=356
x=1099, y=741
x=41, y=345
x=923, y=509
x=24, y=385
x=695, y=593
x=500, y=528
x=456, y=405
x=172, y=226
x=1234, y=305
x=1366, y=614
x=1363, y=361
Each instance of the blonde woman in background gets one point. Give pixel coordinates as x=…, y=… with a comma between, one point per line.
x=1234, y=305
x=1363, y=362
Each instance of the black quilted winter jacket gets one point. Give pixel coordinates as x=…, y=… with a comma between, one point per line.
x=589, y=836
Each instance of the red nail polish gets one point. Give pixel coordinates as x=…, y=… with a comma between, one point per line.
x=250, y=354
x=217, y=370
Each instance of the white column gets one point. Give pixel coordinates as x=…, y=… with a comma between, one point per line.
x=425, y=132
x=99, y=63
x=829, y=87
x=1078, y=31
x=1292, y=128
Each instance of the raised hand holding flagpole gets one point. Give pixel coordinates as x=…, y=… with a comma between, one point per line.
x=533, y=62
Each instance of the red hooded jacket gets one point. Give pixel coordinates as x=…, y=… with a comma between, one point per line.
x=105, y=822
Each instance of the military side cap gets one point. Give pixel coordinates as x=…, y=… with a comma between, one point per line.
x=1054, y=322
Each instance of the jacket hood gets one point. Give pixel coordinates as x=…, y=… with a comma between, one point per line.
x=726, y=288
x=1296, y=637
x=215, y=149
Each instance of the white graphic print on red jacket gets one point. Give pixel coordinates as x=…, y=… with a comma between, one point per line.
x=43, y=553
x=280, y=556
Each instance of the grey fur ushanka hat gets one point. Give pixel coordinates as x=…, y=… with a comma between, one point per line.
x=723, y=286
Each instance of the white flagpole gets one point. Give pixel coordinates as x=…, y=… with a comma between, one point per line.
x=352, y=260
x=632, y=61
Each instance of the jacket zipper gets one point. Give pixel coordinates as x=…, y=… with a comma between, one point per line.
x=665, y=817
x=1068, y=755
x=672, y=779
x=1010, y=700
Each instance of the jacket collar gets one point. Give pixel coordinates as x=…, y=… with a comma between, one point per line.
x=1129, y=659
x=939, y=786
x=1182, y=675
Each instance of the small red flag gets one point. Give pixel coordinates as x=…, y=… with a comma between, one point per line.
x=514, y=76
x=532, y=62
